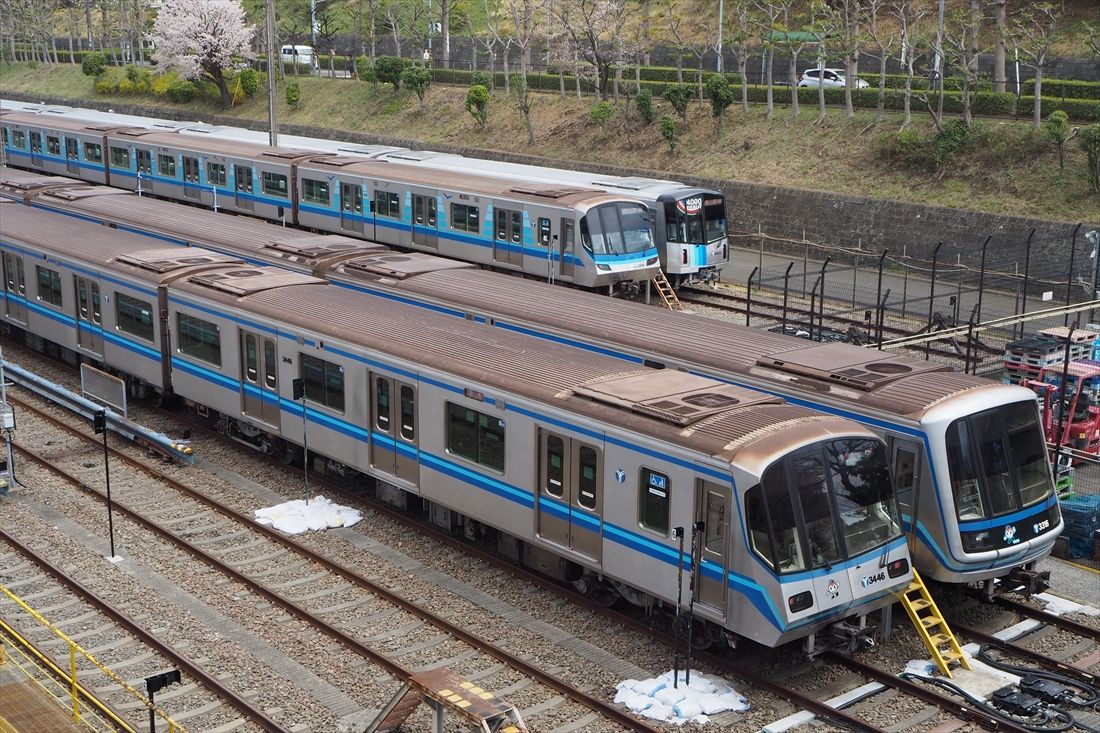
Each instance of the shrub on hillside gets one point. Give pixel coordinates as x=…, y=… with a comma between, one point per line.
x=668, y=132
x=644, y=101
x=680, y=96
x=388, y=70
x=601, y=112
x=249, y=80
x=293, y=94
x=477, y=104
x=94, y=64
x=181, y=91
x=482, y=78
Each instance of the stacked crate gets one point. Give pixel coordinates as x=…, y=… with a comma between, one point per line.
x=1028, y=358
x=1082, y=342
x=1082, y=517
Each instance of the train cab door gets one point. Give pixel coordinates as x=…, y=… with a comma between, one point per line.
x=425, y=221
x=72, y=156
x=394, y=430
x=712, y=509
x=565, y=247
x=905, y=461
x=260, y=378
x=89, y=316
x=36, y=149
x=242, y=186
x=191, y=186
x=351, y=207
x=570, y=500
x=15, y=285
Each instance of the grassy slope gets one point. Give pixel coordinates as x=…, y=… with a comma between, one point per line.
x=833, y=156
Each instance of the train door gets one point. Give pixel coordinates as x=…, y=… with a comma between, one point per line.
x=508, y=236
x=16, y=287
x=242, y=186
x=570, y=501
x=89, y=318
x=712, y=508
x=191, y=187
x=424, y=221
x=394, y=433
x=351, y=207
x=905, y=458
x=565, y=253
x=260, y=378
x=72, y=156
x=36, y=149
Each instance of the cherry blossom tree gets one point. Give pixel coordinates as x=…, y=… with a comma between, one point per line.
x=202, y=38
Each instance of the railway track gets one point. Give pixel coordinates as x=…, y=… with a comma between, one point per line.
x=331, y=598
x=123, y=645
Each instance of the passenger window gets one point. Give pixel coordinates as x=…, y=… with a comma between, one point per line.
x=251, y=358
x=475, y=436
x=517, y=227
x=242, y=178
x=588, y=478
x=408, y=413
x=714, y=532
x=166, y=164
x=36, y=142
x=555, y=466
x=653, y=502
x=271, y=365
x=144, y=161
x=382, y=404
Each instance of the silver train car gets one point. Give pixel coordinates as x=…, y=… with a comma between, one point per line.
x=581, y=237
x=967, y=453
x=689, y=222
x=579, y=465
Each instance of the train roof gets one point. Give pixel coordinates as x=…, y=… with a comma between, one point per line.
x=695, y=412
x=730, y=423
x=26, y=185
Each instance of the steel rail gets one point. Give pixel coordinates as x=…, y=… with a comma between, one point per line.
x=209, y=681
x=1048, y=618
x=958, y=709
x=1024, y=653
x=607, y=710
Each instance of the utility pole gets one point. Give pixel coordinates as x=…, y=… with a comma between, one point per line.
x=269, y=39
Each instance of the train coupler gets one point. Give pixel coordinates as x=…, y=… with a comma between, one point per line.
x=1027, y=581
x=842, y=637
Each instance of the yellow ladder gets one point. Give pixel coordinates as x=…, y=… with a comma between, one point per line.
x=932, y=628
x=668, y=295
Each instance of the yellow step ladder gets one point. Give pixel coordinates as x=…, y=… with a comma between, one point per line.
x=668, y=295
x=933, y=630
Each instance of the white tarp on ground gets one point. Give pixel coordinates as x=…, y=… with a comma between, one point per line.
x=1061, y=606
x=659, y=699
x=298, y=516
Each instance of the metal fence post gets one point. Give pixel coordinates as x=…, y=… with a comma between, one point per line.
x=1069, y=275
x=882, y=317
x=748, y=296
x=821, y=319
x=1027, y=274
x=932, y=298
x=981, y=276
x=881, y=264
x=786, y=282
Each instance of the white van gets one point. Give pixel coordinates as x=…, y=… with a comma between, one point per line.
x=303, y=55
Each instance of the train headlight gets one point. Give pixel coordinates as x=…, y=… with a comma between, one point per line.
x=800, y=601
x=977, y=541
x=897, y=568
x=603, y=268
x=651, y=261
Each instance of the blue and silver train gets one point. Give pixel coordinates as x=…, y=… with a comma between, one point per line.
x=577, y=464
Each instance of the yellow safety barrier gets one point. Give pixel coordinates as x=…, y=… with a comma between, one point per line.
x=76, y=691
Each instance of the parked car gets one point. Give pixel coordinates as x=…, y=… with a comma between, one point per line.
x=833, y=78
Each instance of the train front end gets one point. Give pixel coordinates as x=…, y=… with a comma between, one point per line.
x=994, y=512
x=695, y=241
x=617, y=246
x=823, y=544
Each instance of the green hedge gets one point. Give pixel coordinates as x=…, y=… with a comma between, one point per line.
x=1068, y=88
x=920, y=83
x=1077, y=109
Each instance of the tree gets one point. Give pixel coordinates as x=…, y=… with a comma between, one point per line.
x=721, y=96
x=477, y=104
x=679, y=96
x=202, y=38
x=999, y=23
x=1033, y=29
x=767, y=22
x=740, y=42
x=1090, y=143
x=960, y=35
x=885, y=41
x=1057, y=130
x=668, y=132
x=601, y=112
x=388, y=70
x=644, y=102
x=417, y=78
x=521, y=96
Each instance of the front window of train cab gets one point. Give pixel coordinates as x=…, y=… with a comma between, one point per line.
x=999, y=470
x=696, y=219
x=824, y=504
x=622, y=228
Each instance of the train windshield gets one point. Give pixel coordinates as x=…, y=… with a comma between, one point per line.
x=695, y=219
x=998, y=461
x=823, y=504
x=615, y=229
